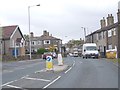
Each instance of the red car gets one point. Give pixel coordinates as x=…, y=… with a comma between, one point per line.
x=47, y=54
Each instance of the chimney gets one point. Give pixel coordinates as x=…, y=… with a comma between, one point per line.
x=118, y=15
x=110, y=20
x=31, y=34
x=103, y=22
x=45, y=33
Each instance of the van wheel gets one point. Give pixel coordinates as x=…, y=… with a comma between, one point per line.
x=83, y=57
x=86, y=57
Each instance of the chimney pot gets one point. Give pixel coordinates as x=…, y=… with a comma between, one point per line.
x=32, y=34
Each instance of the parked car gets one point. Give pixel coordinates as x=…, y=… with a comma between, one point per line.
x=47, y=54
x=70, y=54
x=54, y=55
x=75, y=54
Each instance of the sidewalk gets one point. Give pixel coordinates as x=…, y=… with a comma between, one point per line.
x=57, y=68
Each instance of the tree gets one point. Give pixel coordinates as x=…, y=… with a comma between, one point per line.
x=41, y=51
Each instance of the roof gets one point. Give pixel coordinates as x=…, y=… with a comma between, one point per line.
x=104, y=28
x=43, y=37
x=7, y=31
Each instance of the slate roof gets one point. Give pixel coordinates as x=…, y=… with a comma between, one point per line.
x=7, y=31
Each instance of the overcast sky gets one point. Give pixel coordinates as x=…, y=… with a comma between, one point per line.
x=62, y=18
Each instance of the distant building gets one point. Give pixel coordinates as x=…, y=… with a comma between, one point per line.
x=13, y=41
x=106, y=36
x=44, y=41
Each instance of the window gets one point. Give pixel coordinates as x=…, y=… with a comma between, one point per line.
x=114, y=31
x=33, y=42
x=109, y=33
x=47, y=42
x=104, y=34
x=39, y=42
x=100, y=36
x=109, y=47
x=97, y=36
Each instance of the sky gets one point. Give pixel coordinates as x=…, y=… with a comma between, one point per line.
x=61, y=18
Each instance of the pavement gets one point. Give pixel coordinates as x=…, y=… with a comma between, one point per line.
x=57, y=68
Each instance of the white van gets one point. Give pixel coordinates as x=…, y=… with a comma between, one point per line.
x=90, y=50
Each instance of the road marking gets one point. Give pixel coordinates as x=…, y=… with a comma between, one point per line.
x=8, y=83
x=7, y=71
x=52, y=82
x=13, y=86
x=37, y=79
x=13, y=81
x=74, y=64
x=24, y=76
x=40, y=71
x=68, y=70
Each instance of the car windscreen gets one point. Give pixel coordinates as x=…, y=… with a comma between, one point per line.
x=91, y=48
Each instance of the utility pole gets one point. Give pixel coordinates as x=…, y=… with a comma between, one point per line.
x=118, y=32
x=84, y=32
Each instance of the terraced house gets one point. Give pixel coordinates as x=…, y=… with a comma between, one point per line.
x=13, y=41
x=106, y=36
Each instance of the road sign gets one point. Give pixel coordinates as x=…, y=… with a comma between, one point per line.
x=49, y=64
x=49, y=58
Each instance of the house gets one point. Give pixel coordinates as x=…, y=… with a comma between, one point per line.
x=13, y=41
x=106, y=36
x=44, y=41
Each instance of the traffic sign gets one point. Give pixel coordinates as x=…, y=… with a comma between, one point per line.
x=49, y=64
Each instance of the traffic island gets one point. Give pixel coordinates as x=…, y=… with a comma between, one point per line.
x=59, y=68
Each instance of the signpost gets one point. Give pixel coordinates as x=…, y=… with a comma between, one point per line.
x=49, y=64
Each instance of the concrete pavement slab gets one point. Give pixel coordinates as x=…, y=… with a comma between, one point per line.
x=57, y=68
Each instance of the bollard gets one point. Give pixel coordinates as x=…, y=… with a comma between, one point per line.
x=49, y=63
x=60, y=60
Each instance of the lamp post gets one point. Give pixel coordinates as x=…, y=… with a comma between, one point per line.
x=29, y=26
x=84, y=32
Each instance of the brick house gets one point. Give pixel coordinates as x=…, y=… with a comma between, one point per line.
x=12, y=41
x=44, y=41
x=106, y=36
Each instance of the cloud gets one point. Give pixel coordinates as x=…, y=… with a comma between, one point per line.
x=60, y=17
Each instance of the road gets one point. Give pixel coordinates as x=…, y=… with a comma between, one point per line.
x=81, y=73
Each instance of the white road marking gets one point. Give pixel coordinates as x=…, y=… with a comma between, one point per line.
x=52, y=82
x=13, y=86
x=68, y=70
x=37, y=79
x=74, y=64
x=24, y=76
x=40, y=71
x=7, y=71
x=13, y=81
x=8, y=83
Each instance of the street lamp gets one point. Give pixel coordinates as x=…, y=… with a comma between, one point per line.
x=84, y=31
x=29, y=26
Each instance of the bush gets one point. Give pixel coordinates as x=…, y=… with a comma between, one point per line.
x=41, y=51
